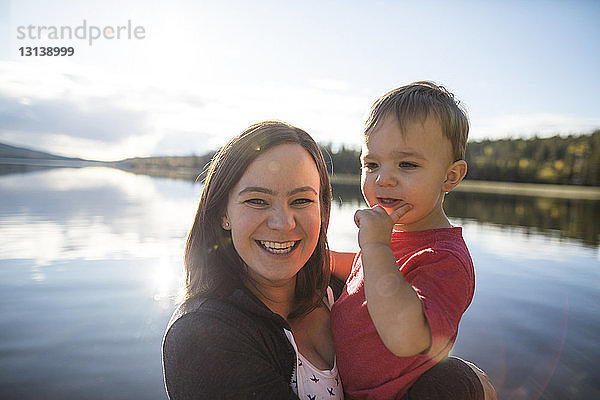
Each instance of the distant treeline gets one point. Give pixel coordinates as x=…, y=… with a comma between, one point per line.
x=573, y=160
x=183, y=167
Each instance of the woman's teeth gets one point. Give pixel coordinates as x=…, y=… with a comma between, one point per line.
x=278, y=247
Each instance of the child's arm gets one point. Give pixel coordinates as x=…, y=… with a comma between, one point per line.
x=341, y=263
x=395, y=308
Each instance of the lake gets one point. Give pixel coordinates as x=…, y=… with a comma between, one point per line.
x=91, y=261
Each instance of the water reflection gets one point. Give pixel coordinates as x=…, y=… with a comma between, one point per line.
x=91, y=261
x=96, y=214
x=528, y=316
x=573, y=218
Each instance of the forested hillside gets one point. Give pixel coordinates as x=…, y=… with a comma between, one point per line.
x=571, y=160
x=20, y=152
x=190, y=167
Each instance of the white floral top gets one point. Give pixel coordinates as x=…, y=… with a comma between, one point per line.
x=309, y=382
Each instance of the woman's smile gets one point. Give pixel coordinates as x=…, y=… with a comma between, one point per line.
x=278, y=247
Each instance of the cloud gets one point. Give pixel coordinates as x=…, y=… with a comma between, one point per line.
x=526, y=125
x=80, y=111
x=72, y=111
x=96, y=119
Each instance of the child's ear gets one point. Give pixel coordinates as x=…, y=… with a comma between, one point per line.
x=455, y=173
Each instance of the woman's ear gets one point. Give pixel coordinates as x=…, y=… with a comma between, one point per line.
x=455, y=173
x=225, y=223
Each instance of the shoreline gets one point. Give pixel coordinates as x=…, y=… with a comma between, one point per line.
x=506, y=188
x=531, y=189
x=469, y=186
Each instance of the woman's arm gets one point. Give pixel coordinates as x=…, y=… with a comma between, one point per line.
x=341, y=263
x=205, y=358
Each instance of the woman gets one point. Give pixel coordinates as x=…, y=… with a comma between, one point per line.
x=254, y=323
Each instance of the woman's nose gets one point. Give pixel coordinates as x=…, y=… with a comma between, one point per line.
x=281, y=219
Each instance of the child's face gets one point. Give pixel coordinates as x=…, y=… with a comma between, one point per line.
x=407, y=168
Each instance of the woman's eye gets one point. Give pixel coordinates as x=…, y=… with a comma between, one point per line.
x=256, y=202
x=300, y=202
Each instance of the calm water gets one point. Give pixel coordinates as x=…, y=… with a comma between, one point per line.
x=90, y=260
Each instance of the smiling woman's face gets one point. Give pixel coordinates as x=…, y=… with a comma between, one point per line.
x=274, y=214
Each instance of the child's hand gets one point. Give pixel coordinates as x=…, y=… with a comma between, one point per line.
x=375, y=225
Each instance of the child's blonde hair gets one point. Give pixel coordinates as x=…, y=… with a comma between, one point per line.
x=417, y=101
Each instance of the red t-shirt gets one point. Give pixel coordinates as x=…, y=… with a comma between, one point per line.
x=437, y=264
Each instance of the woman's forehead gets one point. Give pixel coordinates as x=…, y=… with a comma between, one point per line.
x=286, y=165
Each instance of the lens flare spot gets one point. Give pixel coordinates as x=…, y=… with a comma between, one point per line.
x=274, y=166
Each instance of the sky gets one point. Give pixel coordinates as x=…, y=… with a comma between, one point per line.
x=183, y=77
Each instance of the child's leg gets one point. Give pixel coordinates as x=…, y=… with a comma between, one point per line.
x=451, y=379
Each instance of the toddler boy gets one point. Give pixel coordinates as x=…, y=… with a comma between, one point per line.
x=413, y=279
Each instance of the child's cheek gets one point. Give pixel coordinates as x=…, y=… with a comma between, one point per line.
x=367, y=188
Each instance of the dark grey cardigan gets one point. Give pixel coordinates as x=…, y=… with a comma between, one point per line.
x=233, y=348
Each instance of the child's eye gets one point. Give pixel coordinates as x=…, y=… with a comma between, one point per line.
x=407, y=165
x=370, y=166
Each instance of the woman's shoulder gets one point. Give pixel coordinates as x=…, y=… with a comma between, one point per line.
x=204, y=316
x=215, y=347
x=222, y=319
x=196, y=308
x=201, y=330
